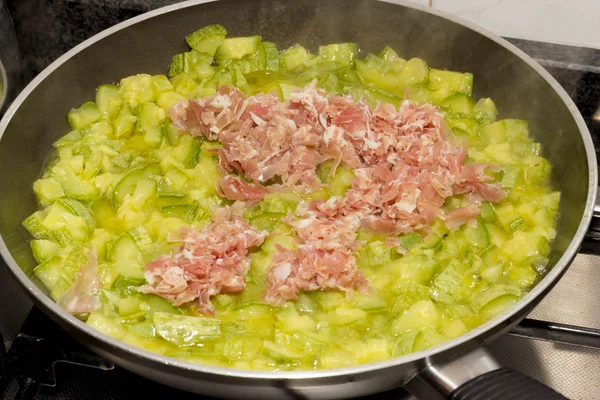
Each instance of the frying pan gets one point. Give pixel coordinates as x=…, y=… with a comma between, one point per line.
x=461, y=368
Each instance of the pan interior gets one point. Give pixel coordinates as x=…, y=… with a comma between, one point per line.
x=147, y=47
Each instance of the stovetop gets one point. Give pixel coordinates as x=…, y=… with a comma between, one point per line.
x=558, y=344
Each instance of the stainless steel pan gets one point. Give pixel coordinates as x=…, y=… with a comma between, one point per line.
x=519, y=86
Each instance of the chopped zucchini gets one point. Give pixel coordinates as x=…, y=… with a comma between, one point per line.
x=207, y=39
x=85, y=115
x=238, y=47
x=108, y=100
x=124, y=248
x=126, y=180
x=185, y=330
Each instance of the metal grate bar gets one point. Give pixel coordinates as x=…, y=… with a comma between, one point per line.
x=558, y=333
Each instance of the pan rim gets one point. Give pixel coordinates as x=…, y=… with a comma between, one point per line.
x=3, y=86
x=472, y=336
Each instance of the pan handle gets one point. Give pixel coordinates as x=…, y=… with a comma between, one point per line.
x=476, y=375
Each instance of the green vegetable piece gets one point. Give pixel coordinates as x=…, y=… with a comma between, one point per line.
x=49, y=271
x=374, y=254
x=124, y=122
x=339, y=55
x=282, y=352
x=494, y=133
x=426, y=339
x=158, y=304
x=518, y=225
x=409, y=240
x=424, y=314
x=85, y=115
x=370, y=303
x=267, y=221
x=166, y=100
x=195, y=213
x=458, y=103
x=125, y=186
x=488, y=212
x=446, y=83
x=272, y=56
x=510, y=177
x=68, y=139
x=189, y=87
x=329, y=299
x=526, y=246
x=414, y=72
x=161, y=83
x=33, y=224
x=124, y=248
x=150, y=116
x=405, y=344
x=238, y=47
x=137, y=89
x=482, y=298
x=144, y=329
x=449, y=286
x=207, y=39
x=67, y=270
x=376, y=73
x=432, y=241
x=294, y=57
x=180, y=64
x=454, y=329
x=516, y=129
x=109, y=100
x=478, y=236
x=126, y=282
x=273, y=204
x=80, y=210
x=341, y=181
x=107, y=325
x=44, y=249
x=47, y=190
x=388, y=54
x=485, y=111
x=523, y=275
x=185, y=330
x=420, y=94
x=140, y=236
x=72, y=185
x=177, y=177
x=346, y=316
x=418, y=268
x=175, y=210
x=67, y=227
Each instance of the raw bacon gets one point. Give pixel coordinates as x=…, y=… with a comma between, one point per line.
x=460, y=216
x=82, y=297
x=406, y=162
x=209, y=262
x=269, y=141
x=323, y=259
x=234, y=188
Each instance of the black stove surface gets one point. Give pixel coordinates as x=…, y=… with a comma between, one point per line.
x=43, y=362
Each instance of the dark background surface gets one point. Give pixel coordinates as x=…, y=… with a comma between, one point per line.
x=48, y=28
